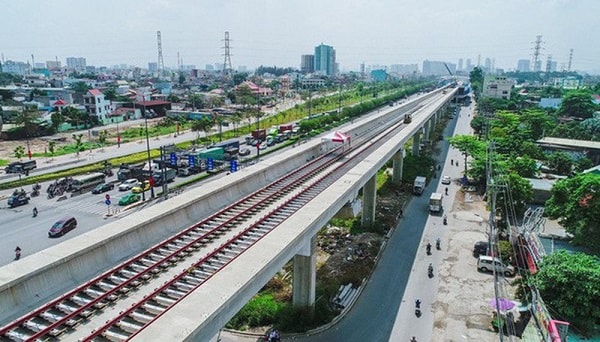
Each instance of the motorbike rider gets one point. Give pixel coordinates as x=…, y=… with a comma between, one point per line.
x=445, y=219
x=430, y=269
x=417, y=304
x=446, y=191
x=428, y=248
x=17, y=253
x=437, y=243
x=413, y=339
x=35, y=212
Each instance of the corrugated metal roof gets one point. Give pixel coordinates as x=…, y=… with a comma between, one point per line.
x=570, y=143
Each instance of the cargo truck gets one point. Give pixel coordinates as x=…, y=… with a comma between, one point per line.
x=435, y=202
x=21, y=167
x=419, y=185
x=216, y=153
x=167, y=175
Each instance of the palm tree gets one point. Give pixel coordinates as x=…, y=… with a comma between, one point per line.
x=220, y=120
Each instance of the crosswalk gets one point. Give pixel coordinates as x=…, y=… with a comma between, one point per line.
x=85, y=204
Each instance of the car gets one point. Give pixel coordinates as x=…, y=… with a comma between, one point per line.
x=480, y=248
x=128, y=184
x=488, y=264
x=104, y=187
x=129, y=198
x=244, y=152
x=62, y=226
x=446, y=180
x=139, y=188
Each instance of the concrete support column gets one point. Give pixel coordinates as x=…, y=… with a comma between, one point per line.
x=416, y=143
x=398, y=162
x=369, y=195
x=305, y=275
x=427, y=130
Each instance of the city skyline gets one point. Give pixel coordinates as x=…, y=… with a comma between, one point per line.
x=277, y=33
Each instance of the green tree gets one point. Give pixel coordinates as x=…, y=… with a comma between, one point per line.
x=524, y=166
x=78, y=143
x=80, y=87
x=57, y=119
x=578, y=103
x=202, y=125
x=110, y=93
x=516, y=195
x=173, y=98
x=575, y=202
x=591, y=127
x=468, y=145
x=537, y=122
x=51, y=146
x=476, y=78
x=220, y=119
x=479, y=123
x=560, y=162
x=570, y=285
x=583, y=164
x=27, y=118
x=19, y=152
x=196, y=100
x=102, y=136
x=73, y=115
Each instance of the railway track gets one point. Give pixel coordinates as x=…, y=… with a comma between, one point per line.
x=185, y=261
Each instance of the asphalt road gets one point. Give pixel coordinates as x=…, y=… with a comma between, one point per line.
x=373, y=316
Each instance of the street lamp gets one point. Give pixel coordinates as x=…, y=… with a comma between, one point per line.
x=151, y=180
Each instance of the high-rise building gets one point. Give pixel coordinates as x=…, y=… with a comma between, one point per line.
x=53, y=65
x=488, y=64
x=77, y=63
x=404, y=69
x=460, y=65
x=307, y=64
x=325, y=60
x=523, y=65
x=469, y=66
x=153, y=67
x=437, y=68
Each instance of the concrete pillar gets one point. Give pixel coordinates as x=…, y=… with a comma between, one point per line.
x=305, y=275
x=398, y=162
x=426, y=130
x=369, y=195
x=416, y=143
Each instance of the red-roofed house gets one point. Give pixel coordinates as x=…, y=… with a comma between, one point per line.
x=97, y=105
x=256, y=90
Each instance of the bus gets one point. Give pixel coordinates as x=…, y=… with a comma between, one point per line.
x=87, y=181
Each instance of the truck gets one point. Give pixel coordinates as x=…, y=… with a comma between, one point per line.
x=285, y=128
x=132, y=171
x=216, y=153
x=435, y=202
x=259, y=134
x=167, y=174
x=21, y=167
x=18, y=197
x=419, y=185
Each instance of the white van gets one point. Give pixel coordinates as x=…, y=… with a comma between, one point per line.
x=487, y=264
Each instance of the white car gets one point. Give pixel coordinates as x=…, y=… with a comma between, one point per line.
x=446, y=180
x=128, y=184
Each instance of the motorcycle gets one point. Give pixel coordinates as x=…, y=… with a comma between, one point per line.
x=430, y=271
x=446, y=191
x=445, y=220
x=418, y=308
x=35, y=193
x=35, y=212
x=17, y=253
x=428, y=247
x=437, y=244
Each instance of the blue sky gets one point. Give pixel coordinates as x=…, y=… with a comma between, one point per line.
x=277, y=32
